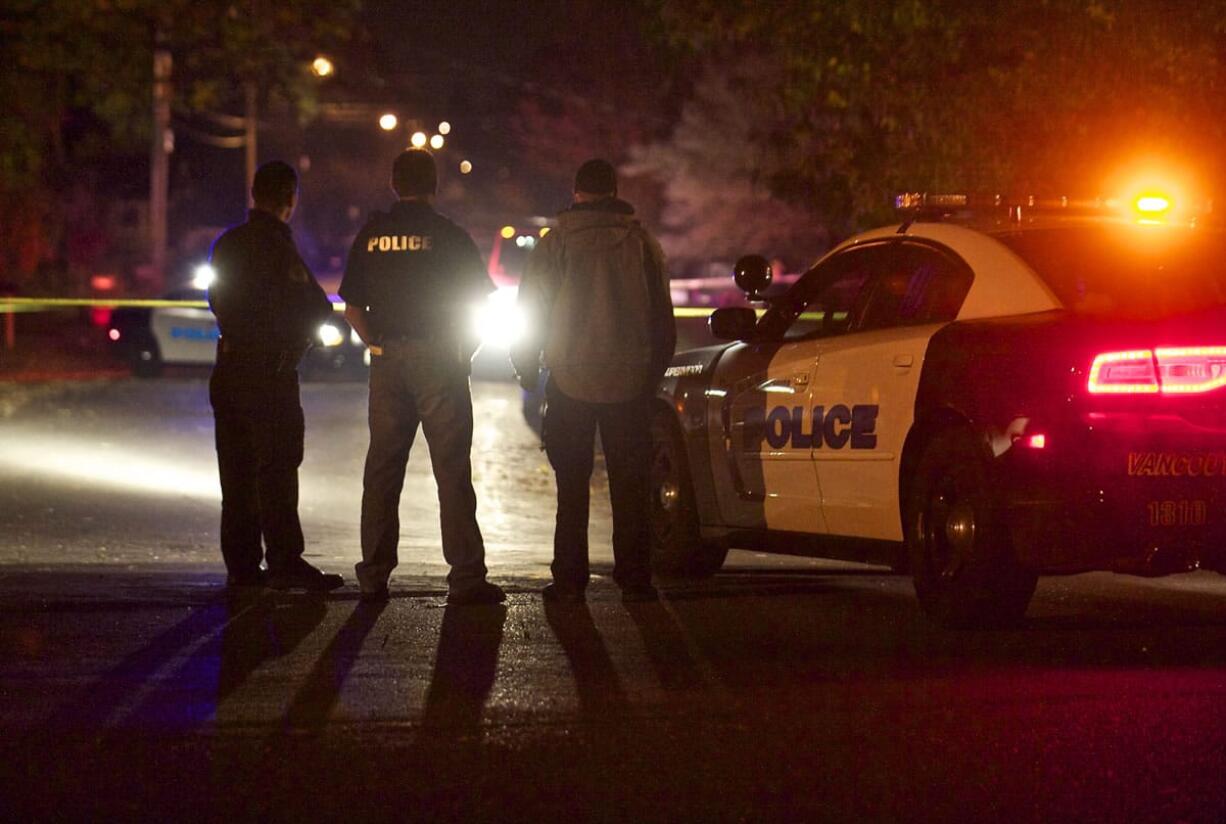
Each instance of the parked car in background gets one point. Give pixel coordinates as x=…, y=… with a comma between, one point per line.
x=181, y=331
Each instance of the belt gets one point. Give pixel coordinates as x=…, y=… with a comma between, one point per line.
x=278, y=359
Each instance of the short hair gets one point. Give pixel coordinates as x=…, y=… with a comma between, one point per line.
x=275, y=184
x=596, y=177
x=414, y=173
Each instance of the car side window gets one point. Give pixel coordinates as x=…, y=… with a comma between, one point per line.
x=918, y=285
x=830, y=303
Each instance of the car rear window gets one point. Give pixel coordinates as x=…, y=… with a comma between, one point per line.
x=1131, y=271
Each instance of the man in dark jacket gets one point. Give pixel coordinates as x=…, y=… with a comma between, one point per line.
x=268, y=308
x=596, y=292
x=411, y=282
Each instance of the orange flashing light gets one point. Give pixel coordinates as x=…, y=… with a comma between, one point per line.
x=1153, y=204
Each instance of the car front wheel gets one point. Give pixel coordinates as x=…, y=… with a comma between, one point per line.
x=677, y=547
x=961, y=559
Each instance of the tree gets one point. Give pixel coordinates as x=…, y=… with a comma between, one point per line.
x=717, y=201
x=78, y=87
x=597, y=88
x=1049, y=96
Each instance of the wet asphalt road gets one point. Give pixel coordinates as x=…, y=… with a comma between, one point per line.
x=131, y=687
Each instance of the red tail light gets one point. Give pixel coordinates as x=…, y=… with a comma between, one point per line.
x=1189, y=369
x=1171, y=370
x=1124, y=373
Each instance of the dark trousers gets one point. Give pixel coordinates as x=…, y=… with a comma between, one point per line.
x=625, y=435
x=411, y=384
x=259, y=432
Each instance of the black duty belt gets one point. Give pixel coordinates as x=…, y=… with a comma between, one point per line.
x=277, y=359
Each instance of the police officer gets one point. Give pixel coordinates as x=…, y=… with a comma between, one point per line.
x=268, y=307
x=410, y=283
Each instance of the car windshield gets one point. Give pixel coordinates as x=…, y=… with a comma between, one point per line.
x=1136, y=271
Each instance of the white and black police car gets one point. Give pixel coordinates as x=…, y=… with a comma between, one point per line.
x=181, y=330
x=988, y=392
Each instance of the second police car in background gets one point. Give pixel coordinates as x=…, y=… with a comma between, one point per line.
x=184, y=332
x=1024, y=391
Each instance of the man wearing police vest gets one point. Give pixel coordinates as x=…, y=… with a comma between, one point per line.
x=596, y=291
x=410, y=281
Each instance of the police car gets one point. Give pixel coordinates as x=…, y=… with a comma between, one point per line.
x=183, y=331
x=988, y=392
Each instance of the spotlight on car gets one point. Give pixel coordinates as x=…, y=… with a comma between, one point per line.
x=329, y=335
x=203, y=276
x=498, y=321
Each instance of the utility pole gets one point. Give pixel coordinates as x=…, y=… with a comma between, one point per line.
x=251, y=129
x=159, y=159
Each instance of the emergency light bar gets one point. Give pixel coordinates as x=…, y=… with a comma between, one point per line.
x=940, y=205
x=1147, y=207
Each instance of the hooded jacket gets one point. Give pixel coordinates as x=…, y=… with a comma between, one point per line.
x=595, y=291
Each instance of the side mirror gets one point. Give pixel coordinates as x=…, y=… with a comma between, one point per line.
x=752, y=275
x=733, y=323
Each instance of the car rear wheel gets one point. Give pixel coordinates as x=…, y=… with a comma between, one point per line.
x=677, y=547
x=961, y=559
x=146, y=358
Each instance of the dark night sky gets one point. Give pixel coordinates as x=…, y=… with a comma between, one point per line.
x=465, y=61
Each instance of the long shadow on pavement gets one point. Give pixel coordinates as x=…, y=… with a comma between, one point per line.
x=262, y=627
x=314, y=701
x=597, y=686
x=464, y=669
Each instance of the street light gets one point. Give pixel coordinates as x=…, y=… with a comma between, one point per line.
x=388, y=122
x=444, y=128
x=418, y=140
x=465, y=167
x=437, y=141
x=322, y=66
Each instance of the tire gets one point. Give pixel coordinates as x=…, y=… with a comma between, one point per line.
x=677, y=547
x=962, y=562
x=146, y=359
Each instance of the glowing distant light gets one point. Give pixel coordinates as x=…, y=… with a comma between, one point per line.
x=1153, y=204
x=329, y=335
x=1037, y=442
x=521, y=241
x=322, y=66
x=444, y=128
x=113, y=334
x=498, y=320
x=437, y=141
x=544, y=231
x=204, y=276
x=465, y=167
x=507, y=232
x=418, y=139
x=388, y=122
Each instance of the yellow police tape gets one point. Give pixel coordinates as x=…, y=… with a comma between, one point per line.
x=11, y=305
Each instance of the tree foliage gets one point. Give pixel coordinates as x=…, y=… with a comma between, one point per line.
x=716, y=203
x=77, y=84
x=869, y=97
x=597, y=89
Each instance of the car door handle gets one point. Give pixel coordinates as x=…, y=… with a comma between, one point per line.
x=904, y=361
